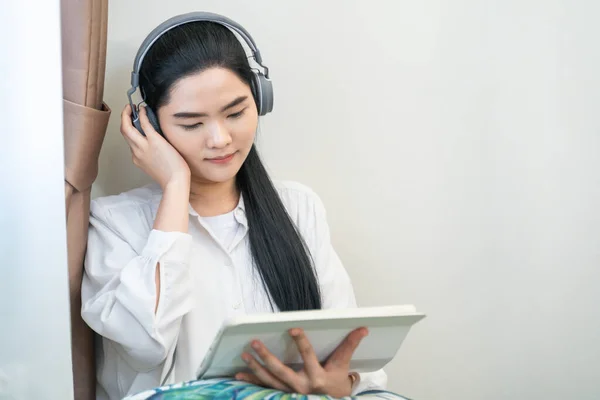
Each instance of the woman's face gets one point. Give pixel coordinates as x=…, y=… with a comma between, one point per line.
x=211, y=120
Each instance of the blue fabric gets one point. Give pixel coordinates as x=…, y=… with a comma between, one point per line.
x=221, y=389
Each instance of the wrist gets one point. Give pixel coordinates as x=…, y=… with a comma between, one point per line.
x=178, y=183
x=173, y=210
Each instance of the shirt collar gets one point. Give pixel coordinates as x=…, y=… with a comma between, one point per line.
x=239, y=212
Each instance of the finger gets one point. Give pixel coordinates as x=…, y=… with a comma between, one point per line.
x=247, y=377
x=264, y=377
x=135, y=144
x=133, y=137
x=130, y=141
x=146, y=125
x=126, y=113
x=276, y=367
x=343, y=354
x=312, y=366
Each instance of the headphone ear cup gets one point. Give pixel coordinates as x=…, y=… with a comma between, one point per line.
x=136, y=122
x=153, y=120
x=265, y=89
x=255, y=92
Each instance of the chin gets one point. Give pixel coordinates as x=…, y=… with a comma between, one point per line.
x=219, y=175
x=214, y=173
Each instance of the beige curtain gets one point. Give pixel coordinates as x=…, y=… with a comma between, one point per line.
x=84, y=25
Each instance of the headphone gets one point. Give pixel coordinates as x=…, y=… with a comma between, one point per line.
x=262, y=87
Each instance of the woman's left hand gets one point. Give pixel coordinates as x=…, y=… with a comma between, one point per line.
x=332, y=378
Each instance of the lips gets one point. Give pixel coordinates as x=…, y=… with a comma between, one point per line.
x=221, y=159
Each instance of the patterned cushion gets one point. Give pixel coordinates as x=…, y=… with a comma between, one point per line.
x=222, y=389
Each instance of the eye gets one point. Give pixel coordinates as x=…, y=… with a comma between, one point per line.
x=191, y=127
x=237, y=114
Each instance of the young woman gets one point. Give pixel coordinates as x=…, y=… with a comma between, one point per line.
x=211, y=238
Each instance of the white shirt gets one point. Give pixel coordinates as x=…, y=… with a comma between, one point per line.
x=203, y=282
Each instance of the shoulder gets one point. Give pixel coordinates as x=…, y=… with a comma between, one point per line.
x=126, y=201
x=130, y=212
x=303, y=204
x=292, y=192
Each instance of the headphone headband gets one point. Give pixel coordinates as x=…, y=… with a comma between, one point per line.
x=184, y=19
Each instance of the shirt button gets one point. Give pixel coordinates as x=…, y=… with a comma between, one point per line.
x=239, y=213
x=236, y=306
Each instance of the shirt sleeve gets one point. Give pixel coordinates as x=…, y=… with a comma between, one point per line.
x=119, y=290
x=335, y=284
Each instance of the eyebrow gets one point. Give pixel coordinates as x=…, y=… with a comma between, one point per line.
x=187, y=114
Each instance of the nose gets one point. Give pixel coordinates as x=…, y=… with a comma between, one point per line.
x=218, y=136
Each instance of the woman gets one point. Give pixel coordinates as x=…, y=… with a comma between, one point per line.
x=213, y=237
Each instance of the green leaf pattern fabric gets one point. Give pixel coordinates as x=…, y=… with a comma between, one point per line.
x=222, y=389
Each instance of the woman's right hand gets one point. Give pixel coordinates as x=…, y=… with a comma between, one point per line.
x=152, y=153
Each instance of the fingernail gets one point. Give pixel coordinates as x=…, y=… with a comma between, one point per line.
x=255, y=345
x=294, y=332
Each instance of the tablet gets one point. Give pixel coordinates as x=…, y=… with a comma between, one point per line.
x=326, y=329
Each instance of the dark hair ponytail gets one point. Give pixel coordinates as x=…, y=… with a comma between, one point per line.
x=278, y=250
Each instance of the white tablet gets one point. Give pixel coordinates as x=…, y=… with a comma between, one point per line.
x=326, y=329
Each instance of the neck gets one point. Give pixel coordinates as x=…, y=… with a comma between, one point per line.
x=213, y=198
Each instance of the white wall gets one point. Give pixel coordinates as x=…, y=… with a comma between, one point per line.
x=456, y=147
x=35, y=339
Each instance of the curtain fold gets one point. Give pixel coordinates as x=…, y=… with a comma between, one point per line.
x=84, y=33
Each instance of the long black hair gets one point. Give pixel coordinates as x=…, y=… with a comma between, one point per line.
x=279, y=253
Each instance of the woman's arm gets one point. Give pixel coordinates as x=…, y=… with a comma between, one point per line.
x=120, y=289
x=172, y=216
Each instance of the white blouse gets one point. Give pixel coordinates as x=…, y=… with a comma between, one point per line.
x=206, y=277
